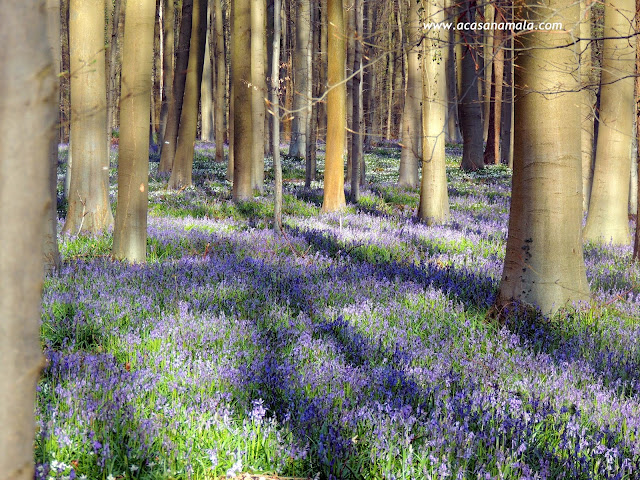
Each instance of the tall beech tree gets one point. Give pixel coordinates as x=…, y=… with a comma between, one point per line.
x=334, y=198
x=544, y=264
x=412, y=115
x=258, y=90
x=357, y=118
x=130, y=233
x=275, y=118
x=181, y=172
x=28, y=118
x=168, y=60
x=607, y=220
x=434, y=199
x=206, y=87
x=301, y=78
x=89, y=209
x=221, y=72
x=170, y=137
x=588, y=102
x=242, y=105
x=470, y=106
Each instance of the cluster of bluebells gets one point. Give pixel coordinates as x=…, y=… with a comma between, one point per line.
x=353, y=346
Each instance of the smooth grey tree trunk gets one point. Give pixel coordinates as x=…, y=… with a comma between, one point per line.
x=301, y=78
x=206, y=87
x=28, y=78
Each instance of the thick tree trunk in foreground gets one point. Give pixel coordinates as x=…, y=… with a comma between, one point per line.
x=170, y=136
x=334, y=198
x=607, y=220
x=470, y=105
x=242, y=107
x=181, y=173
x=89, y=209
x=544, y=264
x=28, y=118
x=434, y=199
x=412, y=115
x=130, y=233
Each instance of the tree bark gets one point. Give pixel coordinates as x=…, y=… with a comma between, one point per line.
x=258, y=90
x=492, y=151
x=89, y=209
x=168, y=60
x=301, y=78
x=242, y=105
x=412, y=116
x=470, y=105
x=334, y=198
x=112, y=75
x=220, y=104
x=28, y=118
x=130, y=232
x=181, y=173
x=170, y=137
x=588, y=103
x=434, y=199
x=607, y=220
x=206, y=87
x=356, y=136
x=275, y=103
x=544, y=264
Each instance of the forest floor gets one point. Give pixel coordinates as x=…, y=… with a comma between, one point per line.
x=355, y=345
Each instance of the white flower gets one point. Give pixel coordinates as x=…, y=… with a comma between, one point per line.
x=133, y=468
x=111, y=477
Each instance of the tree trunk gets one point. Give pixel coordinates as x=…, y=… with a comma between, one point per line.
x=242, y=105
x=130, y=232
x=334, y=198
x=206, y=87
x=454, y=134
x=588, y=103
x=350, y=40
x=170, y=137
x=89, y=209
x=168, y=59
x=112, y=75
x=636, y=242
x=27, y=79
x=181, y=173
x=506, y=131
x=470, y=105
x=275, y=102
x=412, y=116
x=434, y=199
x=356, y=136
x=544, y=264
x=492, y=151
x=607, y=220
x=301, y=79
x=220, y=104
x=258, y=90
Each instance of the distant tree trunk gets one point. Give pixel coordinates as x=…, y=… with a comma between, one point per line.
x=170, y=137
x=454, y=134
x=356, y=136
x=412, y=116
x=206, y=87
x=607, y=220
x=51, y=252
x=242, y=105
x=220, y=103
x=470, y=105
x=89, y=209
x=588, y=103
x=26, y=79
x=275, y=102
x=350, y=22
x=506, y=131
x=391, y=59
x=301, y=78
x=544, y=264
x=258, y=90
x=434, y=199
x=492, y=151
x=636, y=242
x=334, y=198
x=181, y=173
x=312, y=110
x=168, y=59
x=112, y=75
x=368, y=79
x=130, y=232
